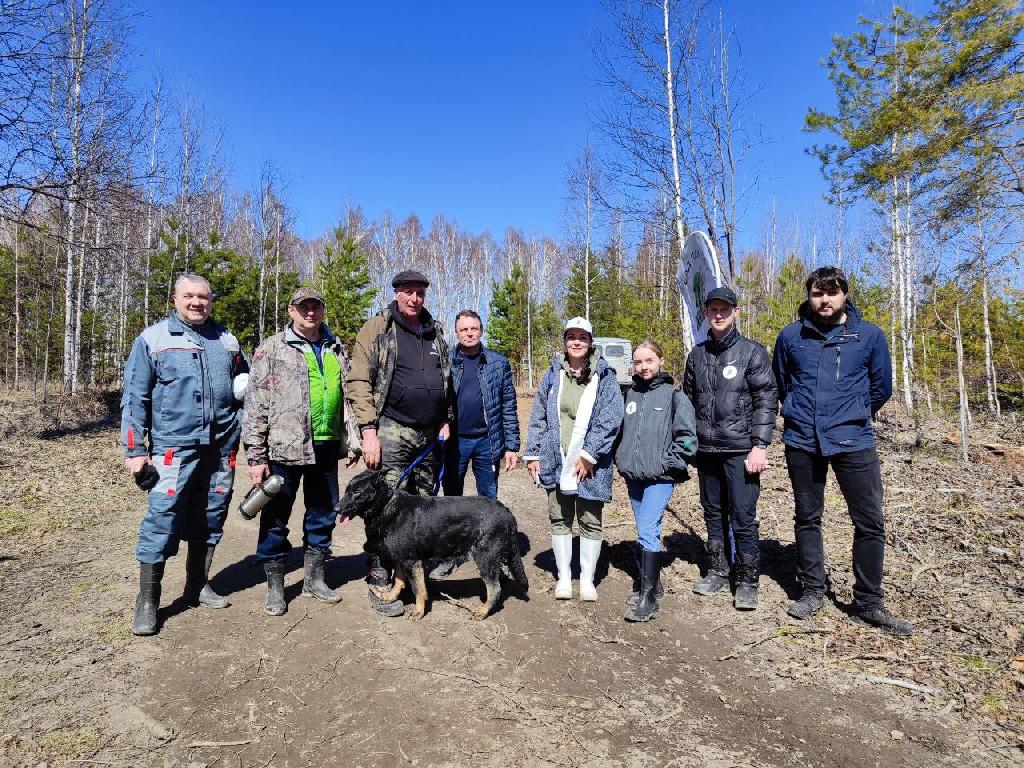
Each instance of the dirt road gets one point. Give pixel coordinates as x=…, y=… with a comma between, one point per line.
x=540, y=683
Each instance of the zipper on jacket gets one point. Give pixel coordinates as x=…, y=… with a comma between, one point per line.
x=838, y=357
x=640, y=429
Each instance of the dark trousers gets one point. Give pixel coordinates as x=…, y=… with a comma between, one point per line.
x=728, y=494
x=464, y=451
x=319, y=494
x=860, y=479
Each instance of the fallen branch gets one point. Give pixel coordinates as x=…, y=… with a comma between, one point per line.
x=450, y=599
x=293, y=626
x=780, y=632
x=203, y=744
x=904, y=684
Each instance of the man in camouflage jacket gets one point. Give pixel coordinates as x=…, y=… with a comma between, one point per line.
x=296, y=426
x=399, y=387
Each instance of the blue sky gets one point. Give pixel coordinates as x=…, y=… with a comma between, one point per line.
x=473, y=109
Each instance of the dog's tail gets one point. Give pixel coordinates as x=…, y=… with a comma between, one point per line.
x=515, y=560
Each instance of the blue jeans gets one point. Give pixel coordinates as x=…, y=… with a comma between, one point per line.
x=189, y=502
x=319, y=494
x=485, y=470
x=649, y=501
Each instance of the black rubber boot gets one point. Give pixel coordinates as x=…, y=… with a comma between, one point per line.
x=717, y=578
x=377, y=576
x=647, y=607
x=747, y=574
x=313, y=584
x=276, y=605
x=146, y=604
x=197, y=574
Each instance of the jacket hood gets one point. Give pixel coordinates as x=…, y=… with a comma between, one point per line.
x=426, y=319
x=657, y=381
x=601, y=366
x=853, y=316
x=291, y=337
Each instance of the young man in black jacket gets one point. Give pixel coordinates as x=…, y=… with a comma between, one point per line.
x=729, y=380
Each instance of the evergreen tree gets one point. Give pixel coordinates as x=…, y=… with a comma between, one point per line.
x=343, y=279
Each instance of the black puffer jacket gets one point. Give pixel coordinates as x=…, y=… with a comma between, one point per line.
x=732, y=388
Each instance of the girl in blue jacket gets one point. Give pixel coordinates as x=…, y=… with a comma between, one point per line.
x=658, y=436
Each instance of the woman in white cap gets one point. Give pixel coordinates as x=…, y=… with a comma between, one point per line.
x=576, y=417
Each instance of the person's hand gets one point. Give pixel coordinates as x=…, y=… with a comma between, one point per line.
x=257, y=472
x=511, y=460
x=445, y=431
x=533, y=467
x=371, y=448
x=757, y=460
x=134, y=463
x=583, y=469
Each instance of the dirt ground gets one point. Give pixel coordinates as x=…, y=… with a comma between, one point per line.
x=541, y=682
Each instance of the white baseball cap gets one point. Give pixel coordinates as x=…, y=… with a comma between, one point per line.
x=580, y=323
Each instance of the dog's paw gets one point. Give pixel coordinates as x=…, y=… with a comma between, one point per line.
x=415, y=614
x=481, y=613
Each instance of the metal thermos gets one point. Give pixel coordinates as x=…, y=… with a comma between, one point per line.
x=258, y=497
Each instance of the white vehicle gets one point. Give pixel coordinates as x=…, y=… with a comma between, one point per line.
x=618, y=353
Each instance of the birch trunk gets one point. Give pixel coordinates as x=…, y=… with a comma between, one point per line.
x=965, y=413
x=677, y=189
x=17, y=308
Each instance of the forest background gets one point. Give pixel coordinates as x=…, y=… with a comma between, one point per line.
x=108, y=190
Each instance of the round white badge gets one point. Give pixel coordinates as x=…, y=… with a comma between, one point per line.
x=729, y=372
x=630, y=408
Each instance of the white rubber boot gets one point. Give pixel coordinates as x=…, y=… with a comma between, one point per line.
x=590, y=551
x=561, y=545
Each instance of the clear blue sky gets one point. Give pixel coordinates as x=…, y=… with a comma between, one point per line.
x=474, y=109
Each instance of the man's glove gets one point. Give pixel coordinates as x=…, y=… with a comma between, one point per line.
x=147, y=477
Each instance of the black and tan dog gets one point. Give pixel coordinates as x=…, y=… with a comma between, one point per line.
x=406, y=530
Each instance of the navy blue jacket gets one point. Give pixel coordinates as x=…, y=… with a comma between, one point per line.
x=499, y=395
x=831, y=388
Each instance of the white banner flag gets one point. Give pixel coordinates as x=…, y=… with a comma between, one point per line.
x=698, y=273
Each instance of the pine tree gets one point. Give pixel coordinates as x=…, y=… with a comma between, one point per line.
x=343, y=279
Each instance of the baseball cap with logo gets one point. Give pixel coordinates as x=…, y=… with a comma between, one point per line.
x=304, y=294
x=580, y=323
x=722, y=293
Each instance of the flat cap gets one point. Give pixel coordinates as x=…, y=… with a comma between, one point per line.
x=409, y=276
x=304, y=294
x=722, y=293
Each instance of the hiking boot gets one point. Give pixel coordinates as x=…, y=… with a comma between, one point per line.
x=197, y=574
x=376, y=574
x=276, y=605
x=146, y=604
x=313, y=584
x=880, y=617
x=647, y=606
x=717, y=577
x=747, y=573
x=808, y=605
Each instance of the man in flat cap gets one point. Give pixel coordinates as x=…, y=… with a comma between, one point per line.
x=295, y=426
x=400, y=392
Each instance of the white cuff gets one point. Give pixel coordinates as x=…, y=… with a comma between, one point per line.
x=587, y=456
x=531, y=458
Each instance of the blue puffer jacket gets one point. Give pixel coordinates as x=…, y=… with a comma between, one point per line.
x=831, y=387
x=177, y=387
x=543, y=439
x=499, y=396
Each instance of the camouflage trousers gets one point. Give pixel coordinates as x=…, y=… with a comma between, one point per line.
x=400, y=446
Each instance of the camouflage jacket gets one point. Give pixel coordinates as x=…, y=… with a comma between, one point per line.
x=373, y=366
x=277, y=425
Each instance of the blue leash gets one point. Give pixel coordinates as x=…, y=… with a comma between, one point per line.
x=437, y=483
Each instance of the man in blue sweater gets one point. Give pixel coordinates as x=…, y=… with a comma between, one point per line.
x=834, y=373
x=486, y=423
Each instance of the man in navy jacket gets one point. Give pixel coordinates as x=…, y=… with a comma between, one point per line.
x=486, y=429
x=834, y=373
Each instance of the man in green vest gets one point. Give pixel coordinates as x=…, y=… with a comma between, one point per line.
x=295, y=426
